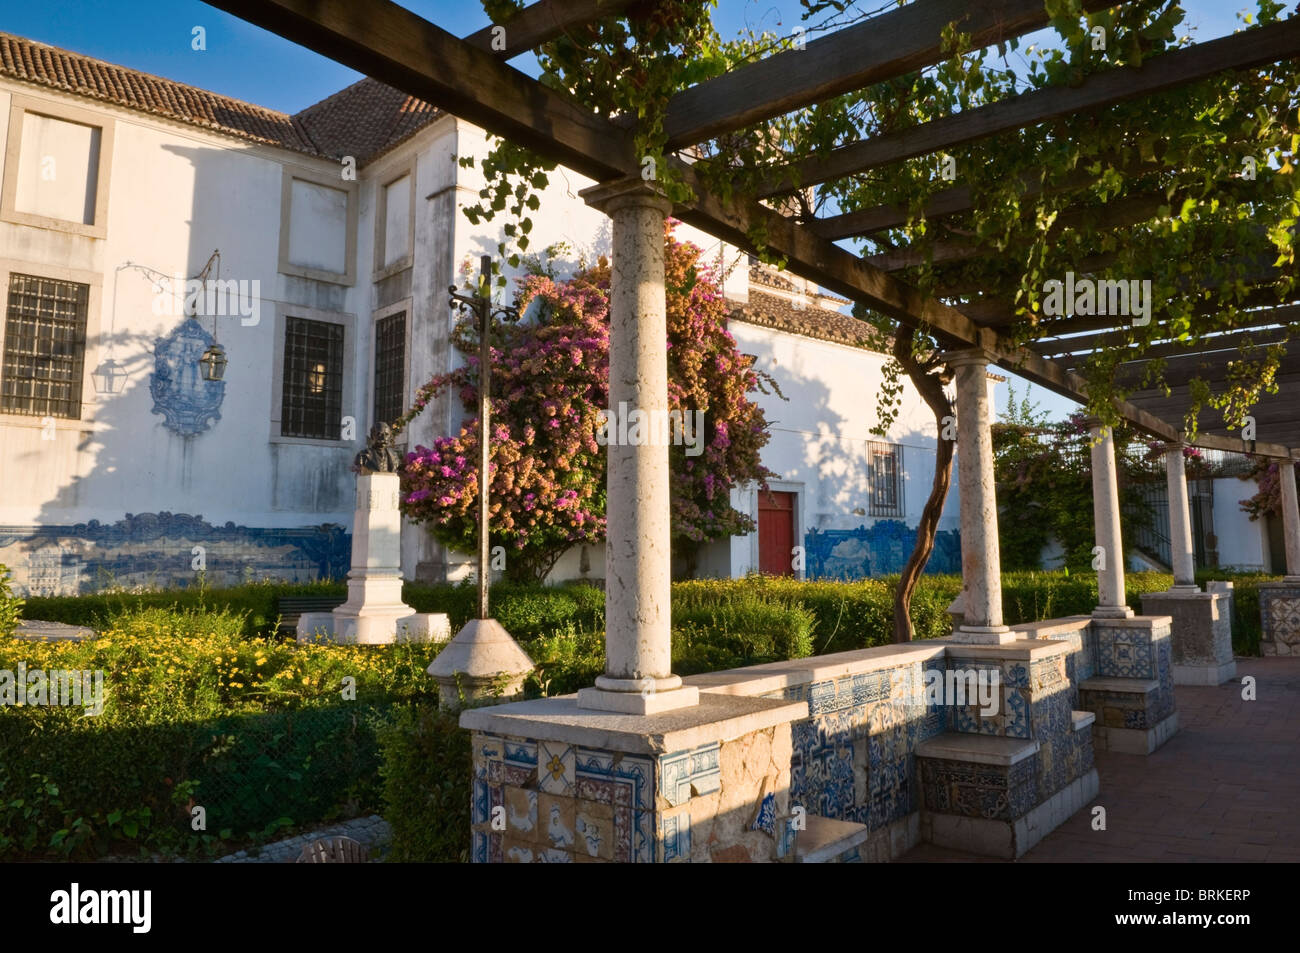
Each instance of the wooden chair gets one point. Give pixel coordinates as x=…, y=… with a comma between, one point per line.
x=335, y=850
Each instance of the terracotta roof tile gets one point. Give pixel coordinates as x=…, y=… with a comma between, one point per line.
x=774, y=311
x=363, y=120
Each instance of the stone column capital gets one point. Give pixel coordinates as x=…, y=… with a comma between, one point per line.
x=630, y=192
x=964, y=357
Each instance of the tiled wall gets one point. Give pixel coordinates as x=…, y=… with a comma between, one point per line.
x=155, y=550
x=550, y=802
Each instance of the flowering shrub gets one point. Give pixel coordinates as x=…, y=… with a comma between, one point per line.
x=550, y=382
x=10, y=607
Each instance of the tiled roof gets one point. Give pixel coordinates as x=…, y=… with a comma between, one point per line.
x=364, y=120
x=761, y=274
x=775, y=311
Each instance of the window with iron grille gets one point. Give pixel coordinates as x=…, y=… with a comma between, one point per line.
x=45, y=347
x=390, y=367
x=885, y=473
x=311, y=403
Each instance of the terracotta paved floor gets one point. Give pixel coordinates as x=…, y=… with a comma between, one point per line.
x=1226, y=787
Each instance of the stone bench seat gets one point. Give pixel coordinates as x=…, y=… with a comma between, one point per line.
x=1132, y=715
x=827, y=841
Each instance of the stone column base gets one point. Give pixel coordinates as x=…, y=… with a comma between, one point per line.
x=1201, y=633
x=556, y=783
x=1204, y=674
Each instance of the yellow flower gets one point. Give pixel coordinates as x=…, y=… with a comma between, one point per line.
x=306, y=680
x=261, y=661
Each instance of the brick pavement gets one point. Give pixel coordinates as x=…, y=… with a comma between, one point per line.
x=1226, y=787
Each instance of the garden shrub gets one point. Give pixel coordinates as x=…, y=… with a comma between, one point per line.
x=11, y=607
x=426, y=769
x=259, y=733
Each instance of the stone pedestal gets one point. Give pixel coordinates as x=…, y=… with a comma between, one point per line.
x=374, y=612
x=1201, y=634
x=482, y=664
x=556, y=783
x=1132, y=692
x=999, y=781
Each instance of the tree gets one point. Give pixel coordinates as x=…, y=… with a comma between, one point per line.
x=550, y=385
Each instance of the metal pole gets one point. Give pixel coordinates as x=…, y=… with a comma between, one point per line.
x=484, y=426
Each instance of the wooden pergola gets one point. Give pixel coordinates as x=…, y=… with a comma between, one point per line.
x=470, y=79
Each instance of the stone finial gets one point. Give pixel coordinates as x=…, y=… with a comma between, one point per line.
x=482, y=664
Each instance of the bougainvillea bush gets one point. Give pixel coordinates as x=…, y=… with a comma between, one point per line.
x=550, y=383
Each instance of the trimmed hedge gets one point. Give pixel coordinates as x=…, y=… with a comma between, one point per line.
x=261, y=734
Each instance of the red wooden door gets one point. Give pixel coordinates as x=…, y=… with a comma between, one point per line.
x=776, y=533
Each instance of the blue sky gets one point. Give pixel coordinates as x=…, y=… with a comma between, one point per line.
x=250, y=64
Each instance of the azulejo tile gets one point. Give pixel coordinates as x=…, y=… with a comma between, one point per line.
x=557, y=821
x=765, y=816
x=517, y=751
x=675, y=837
x=478, y=803
x=697, y=770
x=521, y=812
x=556, y=767
x=634, y=773
x=594, y=825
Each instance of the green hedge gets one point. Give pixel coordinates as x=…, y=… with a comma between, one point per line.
x=261, y=734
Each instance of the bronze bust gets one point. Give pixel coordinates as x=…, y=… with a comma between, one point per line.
x=379, y=455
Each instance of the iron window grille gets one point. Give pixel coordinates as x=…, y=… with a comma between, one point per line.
x=390, y=367
x=44, y=347
x=885, y=474
x=312, y=396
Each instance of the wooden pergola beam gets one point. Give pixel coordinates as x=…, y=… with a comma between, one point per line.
x=1072, y=348
x=950, y=201
x=397, y=47
x=878, y=49
x=1249, y=48
x=542, y=22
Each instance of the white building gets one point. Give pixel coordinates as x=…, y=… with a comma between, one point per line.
x=339, y=230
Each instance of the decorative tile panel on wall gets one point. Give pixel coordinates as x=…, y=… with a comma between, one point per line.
x=155, y=550
x=852, y=757
x=878, y=550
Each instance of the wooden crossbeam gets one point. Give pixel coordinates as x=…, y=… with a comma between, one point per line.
x=951, y=201
x=397, y=47
x=1119, y=213
x=1250, y=48
x=1068, y=349
x=542, y=22
x=878, y=49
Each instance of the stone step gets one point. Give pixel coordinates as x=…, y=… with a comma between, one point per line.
x=1119, y=686
x=825, y=840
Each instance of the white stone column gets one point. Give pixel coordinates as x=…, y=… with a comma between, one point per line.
x=638, y=675
x=1180, y=521
x=981, y=565
x=1105, y=512
x=1290, y=518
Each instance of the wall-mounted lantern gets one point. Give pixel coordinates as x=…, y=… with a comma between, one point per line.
x=109, y=377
